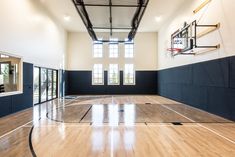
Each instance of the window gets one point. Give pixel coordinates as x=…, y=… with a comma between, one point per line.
x=98, y=74
x=98, y=49
x=113, y=48
x=129, y=74
x=10, y=74
x=113, y=75
x=129, y=50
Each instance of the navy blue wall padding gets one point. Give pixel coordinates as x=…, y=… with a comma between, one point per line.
x=207, y=85
x=15, y=103
x=80, y=82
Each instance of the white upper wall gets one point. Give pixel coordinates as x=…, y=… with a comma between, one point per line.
x=80, y=52
x=222, y=11
x=28, y=30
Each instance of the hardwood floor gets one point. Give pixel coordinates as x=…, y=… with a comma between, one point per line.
x=116, y=126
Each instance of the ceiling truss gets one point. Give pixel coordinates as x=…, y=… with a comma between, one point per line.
x=138, y=8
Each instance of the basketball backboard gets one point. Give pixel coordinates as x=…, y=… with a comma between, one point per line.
x=184, y=38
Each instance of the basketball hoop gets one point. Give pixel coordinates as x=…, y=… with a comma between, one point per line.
x=174, y=50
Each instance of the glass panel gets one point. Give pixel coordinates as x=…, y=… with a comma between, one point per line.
x=49, y=84
x=98, y=74
x=98, y=50
x=129, y=74
x=113, y=74
x=43, y=85
x=54, y=84
x=36, y=85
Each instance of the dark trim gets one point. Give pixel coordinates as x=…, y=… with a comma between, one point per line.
x=31, y=144
x=80, y=83
x=85, y=113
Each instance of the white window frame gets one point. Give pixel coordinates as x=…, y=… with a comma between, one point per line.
x=114, y=42
x=124, y=71
x=127, y=50
x=118, y=75
x=93, y=73
x=127, y=42
x=102, y=50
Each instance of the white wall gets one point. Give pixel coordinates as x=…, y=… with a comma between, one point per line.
x=28, y=30
x=79, y=56
x=222, y=11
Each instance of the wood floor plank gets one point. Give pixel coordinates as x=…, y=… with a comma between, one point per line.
x=123, y=139
x=16, y=144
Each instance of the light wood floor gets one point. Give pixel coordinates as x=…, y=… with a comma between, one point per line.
x=116, y=126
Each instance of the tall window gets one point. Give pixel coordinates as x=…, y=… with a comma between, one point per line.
x=113, y=74
x=129, y=74
x=98, y=49
x=129, y=49
x=113, y=48
x=98, y=75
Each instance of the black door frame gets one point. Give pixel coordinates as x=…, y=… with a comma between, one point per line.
x=40, y=96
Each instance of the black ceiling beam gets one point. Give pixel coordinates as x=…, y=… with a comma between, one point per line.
x=112, y=28
x=110, y=18
x=113, y=5
x=87, y=24
x=140, y=9
x=136, y=20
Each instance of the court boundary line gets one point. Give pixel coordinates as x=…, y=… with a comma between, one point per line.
x=216, y=133
x=19, y=127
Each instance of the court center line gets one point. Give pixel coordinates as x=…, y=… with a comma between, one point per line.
x=216, y=133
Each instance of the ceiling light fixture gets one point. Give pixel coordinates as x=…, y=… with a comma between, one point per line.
x=158, y=18
x=67, y=17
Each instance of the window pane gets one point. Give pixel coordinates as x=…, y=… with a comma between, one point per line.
x=113, y=74
x=36, y=85
x=54, y=84
x=98, y=50
x=49, y=84
x=43, y=85
x=129, y=74
x=113, y=48
x=129, y=50
x=98, y=74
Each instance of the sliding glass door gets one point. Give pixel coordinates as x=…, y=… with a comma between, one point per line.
x=45, y=84
x=55, y=89
x=36, y=85
x=50, y=81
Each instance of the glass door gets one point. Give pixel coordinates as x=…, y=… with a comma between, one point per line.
x=43, y=85
x=36, y=85
x=55, y=77
x=50, y=82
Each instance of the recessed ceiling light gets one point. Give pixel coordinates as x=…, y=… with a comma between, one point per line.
x=158, y=18
x=67, y=17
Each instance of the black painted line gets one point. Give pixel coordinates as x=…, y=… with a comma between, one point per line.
x=31, y=144
x=85, y=113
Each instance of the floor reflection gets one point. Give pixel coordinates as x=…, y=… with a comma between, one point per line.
x=129, y=114
x=113, y=112
x=97, y=115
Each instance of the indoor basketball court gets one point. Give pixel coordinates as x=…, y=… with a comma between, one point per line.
x=115, y=78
